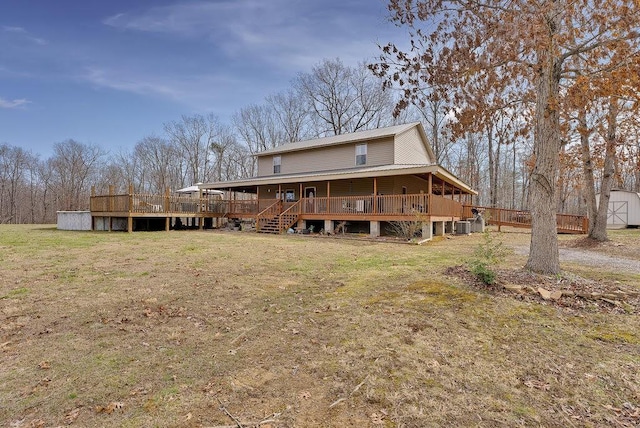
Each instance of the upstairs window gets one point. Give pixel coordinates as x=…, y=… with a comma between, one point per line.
x=361, y=154
x=276, y=164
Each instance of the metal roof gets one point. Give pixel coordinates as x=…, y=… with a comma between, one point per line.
x=333, y=140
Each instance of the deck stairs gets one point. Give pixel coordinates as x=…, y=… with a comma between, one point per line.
x=276, y=223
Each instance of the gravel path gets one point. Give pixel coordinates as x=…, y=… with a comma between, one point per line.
x=592, y=259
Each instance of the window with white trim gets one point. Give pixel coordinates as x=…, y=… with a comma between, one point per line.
x=361, y=154
x=277, y=160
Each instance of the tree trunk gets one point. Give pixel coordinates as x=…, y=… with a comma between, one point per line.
x=587, y=169
x=543, y=253
x=513, y=178
x=492, y=170
x=599, y=232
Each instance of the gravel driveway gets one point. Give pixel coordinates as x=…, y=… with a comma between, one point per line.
x=590, y=258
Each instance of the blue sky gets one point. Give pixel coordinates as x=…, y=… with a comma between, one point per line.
x=109, y=72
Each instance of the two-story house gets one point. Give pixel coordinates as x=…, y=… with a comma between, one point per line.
x=364, y=179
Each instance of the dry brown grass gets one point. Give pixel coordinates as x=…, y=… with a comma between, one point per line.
x=159, y=329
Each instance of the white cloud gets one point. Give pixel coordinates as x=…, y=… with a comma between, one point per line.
x=115, y=80
x=22, y=33
x=196, y=91
x=19, y=103
x=282, y=33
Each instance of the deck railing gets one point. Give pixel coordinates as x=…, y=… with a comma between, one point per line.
x=352, y=206
x=567, y=223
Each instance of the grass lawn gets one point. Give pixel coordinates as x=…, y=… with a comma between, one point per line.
x=207, y=329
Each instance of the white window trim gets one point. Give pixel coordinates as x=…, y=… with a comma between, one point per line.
x=361, y=150
x=277, y=162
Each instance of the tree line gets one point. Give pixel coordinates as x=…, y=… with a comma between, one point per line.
x=493, y=156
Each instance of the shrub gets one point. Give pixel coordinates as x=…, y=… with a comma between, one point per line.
x=488, y=253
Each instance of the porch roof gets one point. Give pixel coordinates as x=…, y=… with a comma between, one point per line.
x=351, y=173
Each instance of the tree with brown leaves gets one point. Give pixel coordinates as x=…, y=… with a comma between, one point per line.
x=517, y=48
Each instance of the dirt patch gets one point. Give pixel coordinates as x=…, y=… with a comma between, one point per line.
x=567, y=291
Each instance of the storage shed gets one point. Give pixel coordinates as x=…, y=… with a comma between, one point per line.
x=74, y=220
x=624, y=209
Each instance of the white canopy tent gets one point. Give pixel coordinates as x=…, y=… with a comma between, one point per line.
x=195, y=189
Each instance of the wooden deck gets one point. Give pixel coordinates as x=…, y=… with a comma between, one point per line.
x=347, y=208
x=567, y=223
x=276, y=215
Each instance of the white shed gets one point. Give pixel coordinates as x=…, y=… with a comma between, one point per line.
x=74, y=220
x=624, y=209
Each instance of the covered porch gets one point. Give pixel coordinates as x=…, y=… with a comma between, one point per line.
x=276, y=204
x=427, y=194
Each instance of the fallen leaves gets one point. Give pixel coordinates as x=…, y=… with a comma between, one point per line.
x=110, y=408
x=537, y=384
x=70, y=417
x=305, y=395
x=140, y=390
x=44, y=365
x=377, y=418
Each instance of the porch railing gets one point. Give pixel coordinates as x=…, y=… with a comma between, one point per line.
x=352, y=206
x=566, y=223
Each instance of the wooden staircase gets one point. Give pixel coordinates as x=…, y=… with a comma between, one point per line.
x=271, y=220
x=270, y=225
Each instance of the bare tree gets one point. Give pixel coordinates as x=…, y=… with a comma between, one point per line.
x=73, y=164
x=14, y=165
x=155, y=157
x=192, y=136
x=291, y=114
x=343, y=99
x=258, y=128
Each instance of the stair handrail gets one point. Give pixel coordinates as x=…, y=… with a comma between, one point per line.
x=284, y=213
x=271, y=211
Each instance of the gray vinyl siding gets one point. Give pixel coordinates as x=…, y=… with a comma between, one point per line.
x=379, y=152
x=410, y=150
x=357, y=187
x=413, y=184
x=265, y=166
x=362, y=187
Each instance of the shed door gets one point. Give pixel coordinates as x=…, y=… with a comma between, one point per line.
x=618, y=213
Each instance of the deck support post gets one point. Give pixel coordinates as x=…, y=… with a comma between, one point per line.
x=167, y=224
x=328, y=226
x=439, y=228
x=374, y=229
x=129, y=224
x=427, y=230
x=448, y=226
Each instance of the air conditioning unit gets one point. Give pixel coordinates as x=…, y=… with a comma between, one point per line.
x=463, y=228
x=477, y=224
